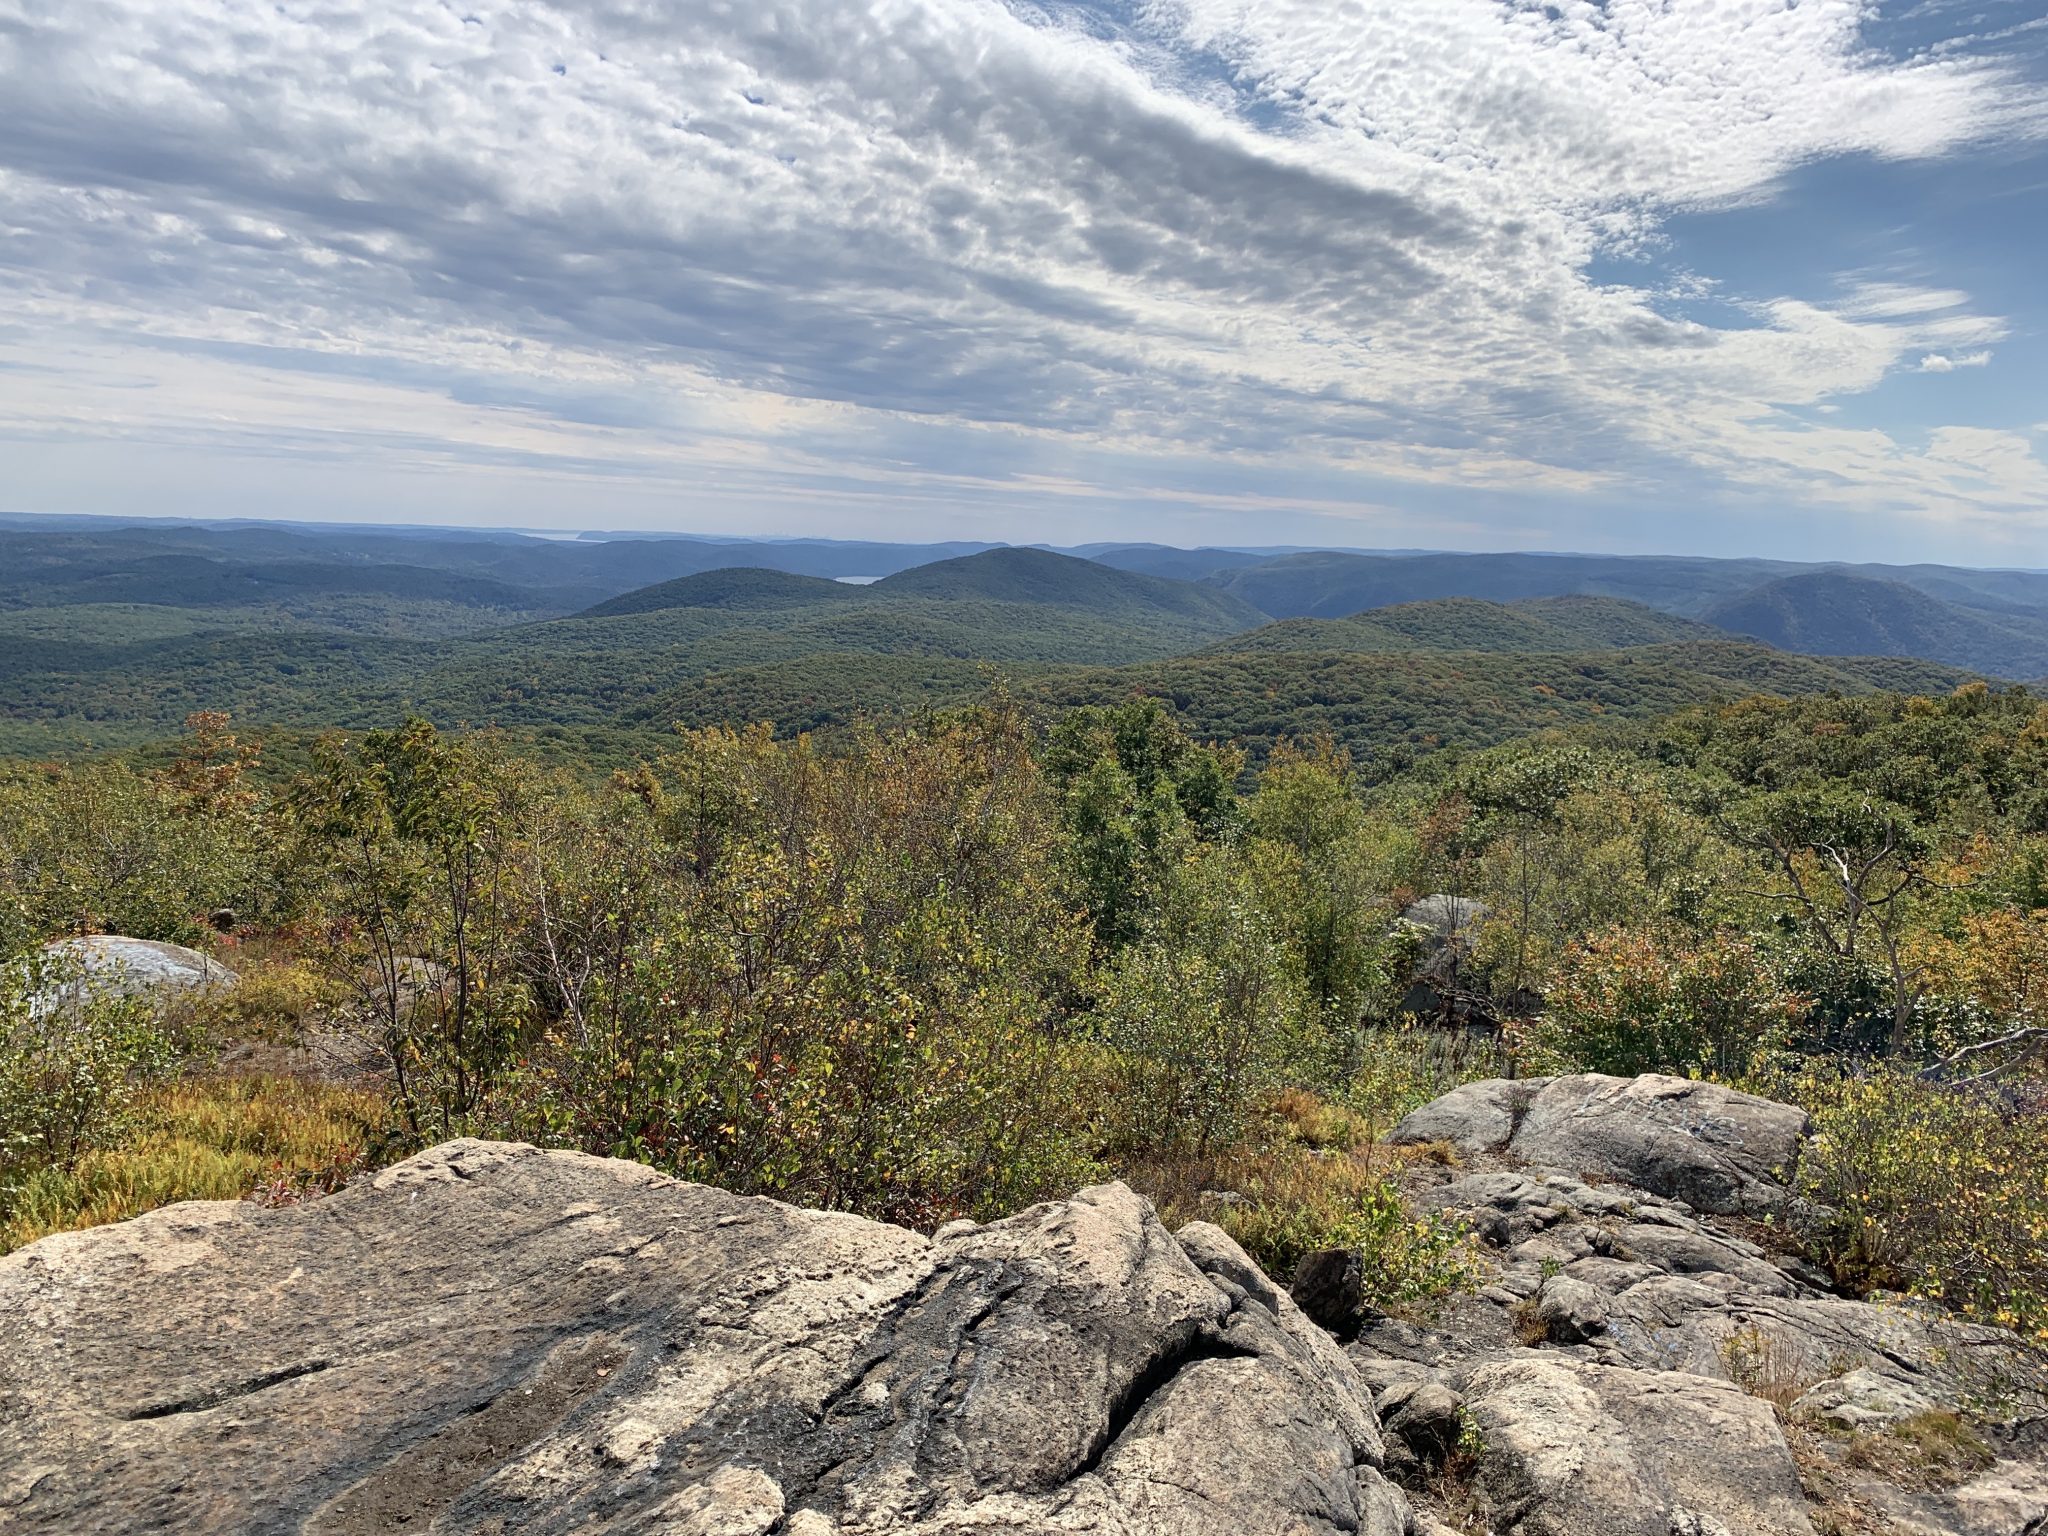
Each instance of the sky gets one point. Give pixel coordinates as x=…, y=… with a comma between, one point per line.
x=1687, y=276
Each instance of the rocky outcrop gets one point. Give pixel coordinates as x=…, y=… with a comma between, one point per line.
x=1714, y=1148
x=493, y=1339
x=489, y=1338
x=1574, y=1449
x=105, y=962
x=1641, y=1362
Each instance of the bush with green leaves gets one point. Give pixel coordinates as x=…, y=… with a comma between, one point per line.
x=74, y=1049
x=99, y=848
x=1209, y=1013
x=1630, y=1001
x=421, y=841
x=1929, y=1188
x=851, y=986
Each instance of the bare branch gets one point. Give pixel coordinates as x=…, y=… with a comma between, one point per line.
x=2017, y=1037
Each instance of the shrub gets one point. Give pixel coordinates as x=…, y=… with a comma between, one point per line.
x=98, y=848
x=1401, y=1068
x=71, y=1058
x=1208, y=1013
x=852, y=989
x=1934, y=1190
x=1630, y=1001
x=1297, y=1201
x=272, y=1002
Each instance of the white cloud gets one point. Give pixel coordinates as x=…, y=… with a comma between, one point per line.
x=1353, y=234
x=1941, y=362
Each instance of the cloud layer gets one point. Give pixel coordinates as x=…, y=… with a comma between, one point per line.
x=920, y=245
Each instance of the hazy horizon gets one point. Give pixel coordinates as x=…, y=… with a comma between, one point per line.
x=30, y=520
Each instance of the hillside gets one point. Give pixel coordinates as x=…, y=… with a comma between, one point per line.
x=304, y=630
x=1835, y=613
x=145, y=675
x=1991, y=621
x=1473, y=624
x=1180, y=564
x=1328, y=586
x=1043, y=577
x=1391, y=709
x=748, y=588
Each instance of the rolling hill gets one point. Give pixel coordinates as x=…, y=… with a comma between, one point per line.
x=751, y=589
x=1834, y=613
x=1991, y=621
x=1389, y=709
x=1473, y=624
x=1040, y=576
x=1328, y=586
x=1020, y=608
x=112, y=634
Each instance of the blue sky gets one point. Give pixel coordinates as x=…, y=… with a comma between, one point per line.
x=1713, y=276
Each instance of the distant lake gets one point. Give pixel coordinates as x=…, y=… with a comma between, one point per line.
x=858, y=581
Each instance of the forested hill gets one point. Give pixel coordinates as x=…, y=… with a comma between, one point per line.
x=1855, y=615
x=1043, y=577
x=1990, y=621
x=1472, y=624
x=1329, y=585
x=744, y=587
x=110, y=636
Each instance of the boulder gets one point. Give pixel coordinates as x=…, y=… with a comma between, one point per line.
x=1668, y=1340
x=1454, y=920
x=1329, y=1286
x=105, y=962
x=1861, y=1399
x=1572, y=1311
x=491, y=1338
x=1423, y=1421
x=1717, y=1150
x=1573, y=1449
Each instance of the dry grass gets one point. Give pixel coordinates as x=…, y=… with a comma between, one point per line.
x=1765, y=1366
x=1835, y=1507
x=1451, y=1494
x=1315, y=1180
x=1525, y=1322
x=1930, y=1450
x=208, y=1139
x=1314, y=1122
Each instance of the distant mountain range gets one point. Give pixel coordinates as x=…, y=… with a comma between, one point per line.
x=434, y=581
x=114, y=632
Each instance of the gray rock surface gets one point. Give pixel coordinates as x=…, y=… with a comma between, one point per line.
x=1677, y=1358
x=489, y=1338
x=1574, y=1449
x=130, y=967
x=493, y=1339
x=1862, y=1399
x=1720, y=1151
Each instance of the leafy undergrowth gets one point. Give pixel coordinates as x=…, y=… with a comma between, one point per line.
x=1929, y=1190
x=279, y=1139
x=1316, y=1181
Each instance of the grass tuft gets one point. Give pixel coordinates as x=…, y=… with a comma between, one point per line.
x=208, y=1139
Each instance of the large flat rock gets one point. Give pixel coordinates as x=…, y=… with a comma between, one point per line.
x=493, y=1339
x=1718, y=1150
